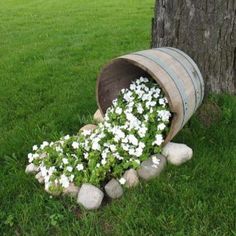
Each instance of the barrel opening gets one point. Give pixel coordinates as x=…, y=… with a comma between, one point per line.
x=118, y=74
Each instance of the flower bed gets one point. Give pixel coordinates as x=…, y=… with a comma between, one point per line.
x=134, y=127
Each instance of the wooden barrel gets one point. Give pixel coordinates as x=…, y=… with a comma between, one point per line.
x=175, y=72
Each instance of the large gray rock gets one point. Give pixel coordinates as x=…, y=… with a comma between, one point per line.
x=131, y=178
x=113, y=189
x=152, y=167
x=31, y=169
x=90, y=197
x=97, y=117
x=72, y=190
x=177, y=153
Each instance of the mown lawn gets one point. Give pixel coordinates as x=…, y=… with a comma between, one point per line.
x=50, y=55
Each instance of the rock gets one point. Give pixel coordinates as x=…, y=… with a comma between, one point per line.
x=114, y=189
x=131, y=178
x=90, y=197
x=39, y=177
x=31, y=169
x=152, y=167
x=177, y=153
x=98, y=117
x=88, y=127
x=72, y=190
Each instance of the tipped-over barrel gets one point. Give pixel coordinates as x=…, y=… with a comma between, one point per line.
x=174, y=71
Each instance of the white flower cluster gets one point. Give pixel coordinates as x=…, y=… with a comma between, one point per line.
x=134, y=127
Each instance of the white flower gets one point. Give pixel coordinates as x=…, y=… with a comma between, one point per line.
x=119, y=134
x=46, y=179
x=44, y=144
x=51, y=144
x=118, y=110
x=96, y=146
x=80, y=167
x=113, y=148
x=74, y=155
x=131, y=151
x=71, y=178
x=161, y=126
x=65, y=161
x=43, y=171
x=128, y=97
x=59, y=149
x=137, y=161
x=30, y=157
x=155, y=160
x=125, y=146
x=138, y=152
x=69, y=168
x=164, y=115
x=35, y=148
x=162, y=101
x=86, y=155
x=75, y=145
x=142, y=145
x=122, y=181
x=64, y=181
x=142, y=131
x=67, y=137
x=154, y=165
x=158, y=139
x=51, y=170
x=140, y=108
x=157, y=93
x=104, y=162
x=132, y=139
x=150, y=104
x=61, y=142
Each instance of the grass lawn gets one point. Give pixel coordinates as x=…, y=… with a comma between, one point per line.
x=50, y=55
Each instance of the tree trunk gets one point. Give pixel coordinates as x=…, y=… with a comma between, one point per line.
x=206, y=31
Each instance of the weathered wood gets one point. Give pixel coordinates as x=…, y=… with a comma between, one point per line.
x=205, y=30
x=176, y=73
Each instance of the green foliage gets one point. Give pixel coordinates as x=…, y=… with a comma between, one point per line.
x=134, y=126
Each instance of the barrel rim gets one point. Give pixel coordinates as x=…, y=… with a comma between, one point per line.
x=153, y=76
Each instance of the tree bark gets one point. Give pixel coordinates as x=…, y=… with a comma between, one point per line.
x=206, y=31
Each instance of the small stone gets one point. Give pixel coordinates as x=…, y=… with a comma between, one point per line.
x=177, y=153
x=31, y=169
x=98, y=117
x=152, y=167
x=114, y=189
x=90, y=197
x=88, y=127
x=72, y=190
x=39, y=177
x=131, y=178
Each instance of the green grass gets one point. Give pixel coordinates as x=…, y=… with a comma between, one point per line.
x=50, y=55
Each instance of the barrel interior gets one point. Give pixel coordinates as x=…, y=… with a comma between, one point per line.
x=117, y=75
